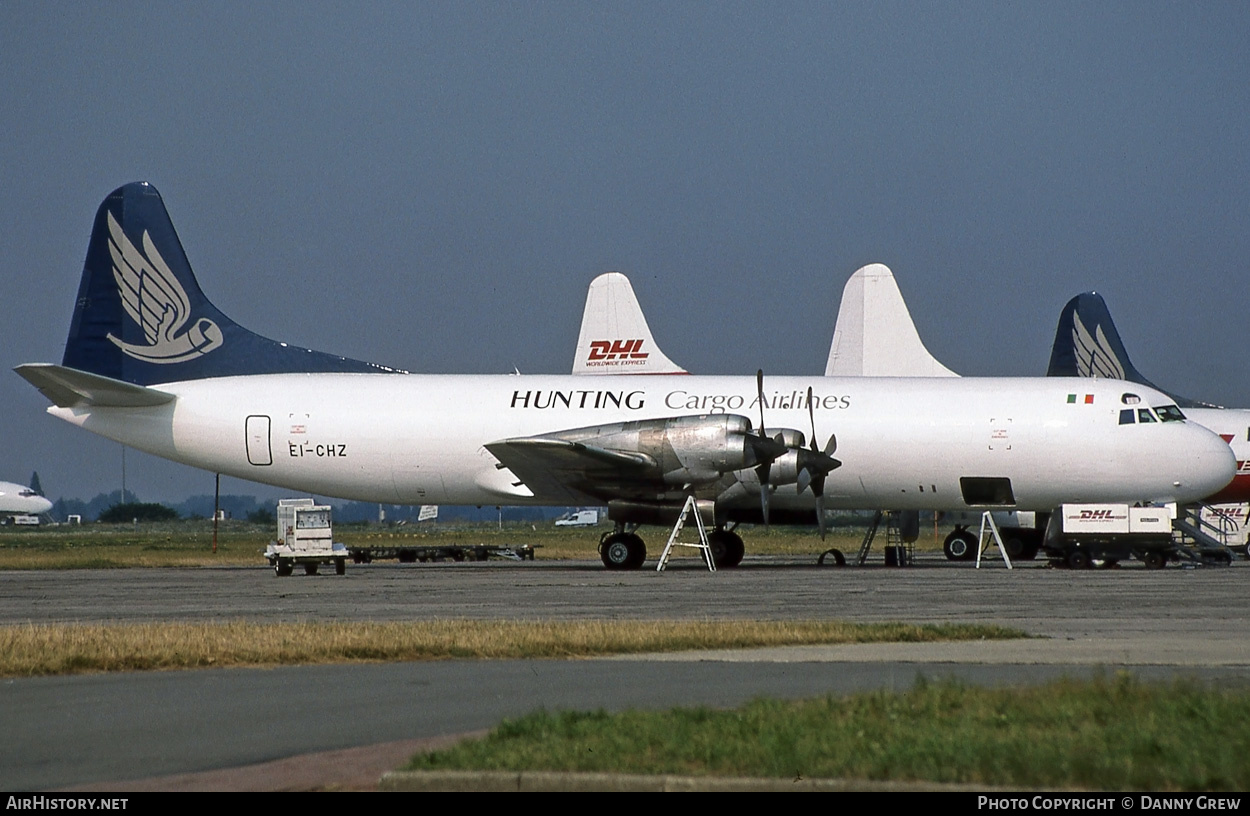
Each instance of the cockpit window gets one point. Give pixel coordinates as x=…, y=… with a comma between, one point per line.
x=1128, y=416
x=1145, y=415
x=1170, y=413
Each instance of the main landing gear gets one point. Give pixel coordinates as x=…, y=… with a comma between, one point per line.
x=621, y=550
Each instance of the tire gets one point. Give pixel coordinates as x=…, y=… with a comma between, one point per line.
x=835, y=556
x=960, y=545
x=310, y=568
x=727, y=549
x=1015, y=548
x=1079, y=559
x=1154, y=559
x=623, y=551
x=283, y=567
x=340, y=566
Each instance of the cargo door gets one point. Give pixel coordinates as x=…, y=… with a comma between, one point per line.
x=259, y=451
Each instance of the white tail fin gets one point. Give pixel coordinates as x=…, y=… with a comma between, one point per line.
x=874, y=335
x=615, y=338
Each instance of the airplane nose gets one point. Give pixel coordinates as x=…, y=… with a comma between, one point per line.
x=1210, y=465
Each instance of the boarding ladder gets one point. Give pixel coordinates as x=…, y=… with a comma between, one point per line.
x=689, y=507
x=1202, y=540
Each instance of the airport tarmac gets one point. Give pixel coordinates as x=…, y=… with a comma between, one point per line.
x=112, y=730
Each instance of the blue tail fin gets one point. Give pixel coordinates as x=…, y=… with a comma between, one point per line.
x=141, y=317
x=1088, y=345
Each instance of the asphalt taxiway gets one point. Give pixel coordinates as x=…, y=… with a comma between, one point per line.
x=114, y=730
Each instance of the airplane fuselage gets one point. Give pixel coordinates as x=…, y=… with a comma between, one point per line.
x=19, y=499
x=904, y=443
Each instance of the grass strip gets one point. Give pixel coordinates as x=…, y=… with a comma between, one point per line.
x=1106, y=734
x=43, y=649
x=189, y=543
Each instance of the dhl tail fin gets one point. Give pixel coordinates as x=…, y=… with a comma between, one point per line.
x=615, y=338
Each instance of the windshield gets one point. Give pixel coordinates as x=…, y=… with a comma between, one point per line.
x=1170, y=413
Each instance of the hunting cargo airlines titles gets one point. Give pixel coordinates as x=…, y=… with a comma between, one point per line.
x=151, y=363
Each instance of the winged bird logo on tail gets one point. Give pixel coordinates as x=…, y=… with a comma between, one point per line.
x=1094, y=355
x=154, y=299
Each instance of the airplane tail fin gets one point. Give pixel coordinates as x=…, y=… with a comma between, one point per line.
x=141, y=318
x=874, y=335
x=615, y=338
x=1087, y=344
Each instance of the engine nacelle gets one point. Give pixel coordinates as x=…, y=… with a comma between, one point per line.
x=681, y=450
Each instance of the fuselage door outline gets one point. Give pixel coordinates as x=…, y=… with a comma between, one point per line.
x=259, y=449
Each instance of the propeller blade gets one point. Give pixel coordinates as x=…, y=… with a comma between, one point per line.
x=759, y=387
x=811, y=415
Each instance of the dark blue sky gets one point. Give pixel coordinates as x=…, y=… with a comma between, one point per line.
x=433, y=185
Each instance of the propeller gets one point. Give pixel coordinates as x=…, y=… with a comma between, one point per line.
x=766, y=449
x=815, y=465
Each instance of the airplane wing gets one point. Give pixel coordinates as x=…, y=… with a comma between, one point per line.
x=579, y=472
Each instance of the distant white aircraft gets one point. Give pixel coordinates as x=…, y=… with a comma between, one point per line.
x=151, y=363
x=19, y=500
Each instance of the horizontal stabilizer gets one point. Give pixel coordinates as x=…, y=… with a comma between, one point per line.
x=615, y=338
x=874, y=335
x=69, y=388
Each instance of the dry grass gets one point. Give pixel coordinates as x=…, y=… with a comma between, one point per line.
x=43, y=649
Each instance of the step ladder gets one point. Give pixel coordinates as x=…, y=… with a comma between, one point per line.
x=689, y=507
x=988, y=525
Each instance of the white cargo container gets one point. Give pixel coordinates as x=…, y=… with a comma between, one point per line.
x=1081, y=534
x=305, y=536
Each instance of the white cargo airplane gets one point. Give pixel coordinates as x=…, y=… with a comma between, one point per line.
x=151, y=363
x=19, y=500
x=875, y=336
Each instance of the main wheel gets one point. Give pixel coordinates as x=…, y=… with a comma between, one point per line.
x=960, y=545
x=727, y=548
x=623, y=551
